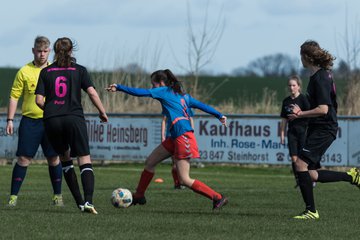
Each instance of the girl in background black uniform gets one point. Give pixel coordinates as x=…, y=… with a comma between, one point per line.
x=296, y=129
x=322, y=127
x=61, y=84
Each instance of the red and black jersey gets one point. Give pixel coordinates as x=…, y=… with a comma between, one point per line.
x=61, y=87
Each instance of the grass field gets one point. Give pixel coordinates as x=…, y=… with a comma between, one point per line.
x=262, y=202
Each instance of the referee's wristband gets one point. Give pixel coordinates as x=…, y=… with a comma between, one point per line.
x=9, y=119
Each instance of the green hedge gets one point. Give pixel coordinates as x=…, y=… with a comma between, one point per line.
x=239, y=89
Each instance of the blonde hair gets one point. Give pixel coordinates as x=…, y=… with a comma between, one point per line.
x=297, y=79
x=41, y=41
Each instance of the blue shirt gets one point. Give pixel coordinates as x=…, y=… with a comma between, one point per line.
x=175, y=106
x=168, y=134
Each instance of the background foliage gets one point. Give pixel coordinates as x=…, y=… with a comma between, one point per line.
x=234, y=95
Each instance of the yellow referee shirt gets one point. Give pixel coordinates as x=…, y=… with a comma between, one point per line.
x=25, y=84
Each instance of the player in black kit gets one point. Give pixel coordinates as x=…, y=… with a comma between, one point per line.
x=61, y=84
x=322, y=127
x=296, y=129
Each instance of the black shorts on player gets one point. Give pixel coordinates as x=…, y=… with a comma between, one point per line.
x=296, y=139
x=66, y=132
x=317, y=142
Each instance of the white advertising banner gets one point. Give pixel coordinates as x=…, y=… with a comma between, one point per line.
x=252, y=140
x=354, y=142
x=129, y=139
x=257, y=141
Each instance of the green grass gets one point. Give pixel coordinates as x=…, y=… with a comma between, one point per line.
x=262, y=202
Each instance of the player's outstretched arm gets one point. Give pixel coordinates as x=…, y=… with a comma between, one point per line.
x=194, y=103
x=138, y=92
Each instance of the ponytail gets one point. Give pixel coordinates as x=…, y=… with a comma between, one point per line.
x=173, y=82
x=63, y=48
x=169, y=79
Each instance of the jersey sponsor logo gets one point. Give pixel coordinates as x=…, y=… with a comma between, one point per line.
x=61, y=69
x=56, y=102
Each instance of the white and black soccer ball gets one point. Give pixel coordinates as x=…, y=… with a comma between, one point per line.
x=121, y=198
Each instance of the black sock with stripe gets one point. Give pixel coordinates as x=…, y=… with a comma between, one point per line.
x=88, y=181
x=71, y=181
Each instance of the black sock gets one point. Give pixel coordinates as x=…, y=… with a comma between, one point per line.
x=293, y=165
x=18, y=176
x=71, y=181
x=88, y=181
x=56, y=177
x=305, y=184
x=325, y=176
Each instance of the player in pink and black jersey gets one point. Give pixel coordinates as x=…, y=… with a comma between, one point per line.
x=61, y=84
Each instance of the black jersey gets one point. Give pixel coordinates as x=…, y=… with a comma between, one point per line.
x=61, y=87
x=286, y=109
x=321, y=91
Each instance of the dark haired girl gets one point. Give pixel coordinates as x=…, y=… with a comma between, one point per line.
x=61, y=84
x=182, y=144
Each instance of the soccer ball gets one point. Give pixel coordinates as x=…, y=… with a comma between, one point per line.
x=121, y=198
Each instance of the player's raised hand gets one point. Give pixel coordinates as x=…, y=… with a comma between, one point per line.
x=111, y=87
x=223, y=120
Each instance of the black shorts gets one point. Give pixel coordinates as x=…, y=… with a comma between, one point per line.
x=318, y=140
x=296, y=139
x=66, y=132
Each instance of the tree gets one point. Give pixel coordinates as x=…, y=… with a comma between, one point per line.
x=202, y=45
x=133, y=68
x=351, y=44
x=343, y=70
x=276, y=65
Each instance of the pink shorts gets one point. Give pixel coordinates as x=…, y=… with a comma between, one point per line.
x=183, y=147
